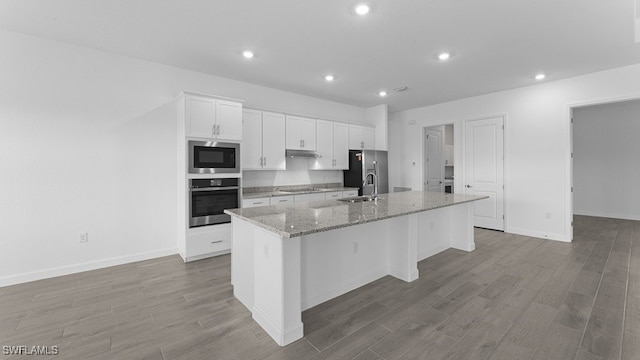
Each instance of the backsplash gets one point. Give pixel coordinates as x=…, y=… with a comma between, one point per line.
x=297, y=173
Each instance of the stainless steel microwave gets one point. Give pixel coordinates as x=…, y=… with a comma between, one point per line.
x=213, y=157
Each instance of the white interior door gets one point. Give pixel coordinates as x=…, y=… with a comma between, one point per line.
x=433, y=161
x=484, y=170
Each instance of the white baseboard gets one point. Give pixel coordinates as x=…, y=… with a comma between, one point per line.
x=86, y=266
x=607, y=215
x=538, y=234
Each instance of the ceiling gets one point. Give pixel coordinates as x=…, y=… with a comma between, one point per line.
x=496, y=44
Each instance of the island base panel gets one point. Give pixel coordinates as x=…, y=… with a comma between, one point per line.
x=289, y=275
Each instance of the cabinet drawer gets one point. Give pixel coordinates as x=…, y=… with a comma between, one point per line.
x=277, y=200
x=208, y=240
x=350, y=193
x=333, y=195
x=247, y=203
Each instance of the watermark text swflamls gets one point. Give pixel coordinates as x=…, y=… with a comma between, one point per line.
x=30, y=350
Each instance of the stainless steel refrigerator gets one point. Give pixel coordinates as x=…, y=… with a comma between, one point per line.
x=363, y=162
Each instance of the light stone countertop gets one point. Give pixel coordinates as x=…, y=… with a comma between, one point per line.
x=293, y=220
x=284, y=192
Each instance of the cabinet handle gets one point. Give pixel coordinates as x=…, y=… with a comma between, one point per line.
x=362, y=144
x=265, y=161
x=301, y=143
x=260, y=160
x=258, y=203
x=218, y=131
x=213, y=130
x=216, y=242
x=282, y=200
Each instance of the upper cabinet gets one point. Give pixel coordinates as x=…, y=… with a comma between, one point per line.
x=263, y=147
x=361, y=137
x=213, y=118
x=300, y=133
x=332, y=146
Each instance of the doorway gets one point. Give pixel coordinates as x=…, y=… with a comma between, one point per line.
x=438, y=159
x=605, y=164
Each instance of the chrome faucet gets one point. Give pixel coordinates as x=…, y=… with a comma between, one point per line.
x=374, y=192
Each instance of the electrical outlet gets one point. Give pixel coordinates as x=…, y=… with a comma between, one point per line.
x=84, y=237
x=547, y=215
x=355, y=247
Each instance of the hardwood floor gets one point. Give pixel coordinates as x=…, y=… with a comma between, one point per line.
x=514, y=297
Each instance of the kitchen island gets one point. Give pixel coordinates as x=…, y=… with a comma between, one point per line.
x=289, y=258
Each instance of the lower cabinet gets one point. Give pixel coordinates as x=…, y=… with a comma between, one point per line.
x=350, y=193
x=207, y=241
x=247, y=203
x=279, y=200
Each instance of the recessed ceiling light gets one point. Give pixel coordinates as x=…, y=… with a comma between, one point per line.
x=248, y=54
x=382, y=93
x=540, y=76
x=329, y=78
x=362, y=9
x=444, y=56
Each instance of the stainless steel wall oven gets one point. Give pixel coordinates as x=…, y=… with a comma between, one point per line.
x=210, y=197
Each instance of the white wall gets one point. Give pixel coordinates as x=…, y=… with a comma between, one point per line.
x=87, y=143
x=606, y=165
x=537, y=145
x=297, y=173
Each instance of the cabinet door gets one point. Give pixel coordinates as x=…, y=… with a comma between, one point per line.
x=251, y=149
x=355, y=137
x=340, y=146
x=368, y=137
x=228, y=120
x=324, y=145
x=333, y=195
x=273, y=141
x=279, y=200
x=308, y=134
x=201, y=116
x=293, y=132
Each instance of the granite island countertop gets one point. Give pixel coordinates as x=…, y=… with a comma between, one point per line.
x=293, y=220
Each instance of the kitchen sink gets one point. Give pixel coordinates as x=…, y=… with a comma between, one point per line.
x=356, y=199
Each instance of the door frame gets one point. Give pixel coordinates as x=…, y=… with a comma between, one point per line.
x=425, y=168
x=569, y=153
x=505, y=153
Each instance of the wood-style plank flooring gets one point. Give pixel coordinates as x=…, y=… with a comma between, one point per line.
x=514, y=297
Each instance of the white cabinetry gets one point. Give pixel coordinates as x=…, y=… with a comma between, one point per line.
x=213, y=118
x=332, y=145
x=300, y=133
x=361, y=137
x=206, y=241
x=333, y=195
x=350, y=193
x=248, y=203
x=263, y=145
x=279, y=200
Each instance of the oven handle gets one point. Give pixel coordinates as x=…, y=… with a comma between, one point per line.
x=215, y=188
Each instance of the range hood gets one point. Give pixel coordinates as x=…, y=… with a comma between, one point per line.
x=302, y=153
